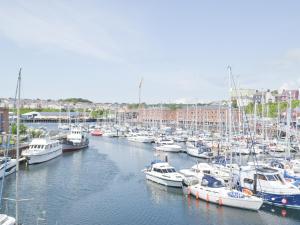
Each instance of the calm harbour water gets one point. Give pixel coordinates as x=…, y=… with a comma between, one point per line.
x=103, y=184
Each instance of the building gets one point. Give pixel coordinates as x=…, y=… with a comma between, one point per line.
x=243, y=96
x=4, y=120
x=258, y=97
x=285, y=95
x=270, y=97
x=189, y=116
x=262, y=97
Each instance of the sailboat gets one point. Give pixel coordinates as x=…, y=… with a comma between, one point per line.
x=213, y=190
x=5, y=219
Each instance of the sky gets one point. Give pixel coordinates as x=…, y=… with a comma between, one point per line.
x=100, y=50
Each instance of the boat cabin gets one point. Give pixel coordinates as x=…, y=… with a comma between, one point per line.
x=162, y=167
x=263, y=179
x=42, y=144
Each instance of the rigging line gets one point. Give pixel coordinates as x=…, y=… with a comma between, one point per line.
x=7, y=146
x=252, y=141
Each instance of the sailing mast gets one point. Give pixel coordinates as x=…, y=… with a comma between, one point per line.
x=288, y=124
x=196, y=118
x=140, y=90
x=229, y=122
x=18, y=146
x=254, y=126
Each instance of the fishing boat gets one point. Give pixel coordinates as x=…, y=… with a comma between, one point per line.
x=76, y=139
x=42, y=150
x=164, y=174
x=213, y=190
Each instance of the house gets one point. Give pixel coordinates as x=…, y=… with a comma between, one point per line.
x=242, y=96
x=285, y=95
x=4, y=120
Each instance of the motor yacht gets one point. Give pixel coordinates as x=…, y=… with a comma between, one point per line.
x=162, y=173
x=41, y=150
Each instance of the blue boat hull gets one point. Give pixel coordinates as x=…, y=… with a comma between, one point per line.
x=287, y=201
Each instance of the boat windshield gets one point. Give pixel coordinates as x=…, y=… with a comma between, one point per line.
x=271, y=177
x=171, y=170
x=275, y=177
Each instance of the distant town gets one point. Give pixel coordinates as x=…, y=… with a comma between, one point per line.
x=270, y=104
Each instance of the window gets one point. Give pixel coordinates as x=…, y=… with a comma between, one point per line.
x=271, y=178
x=248, y=181
x=164, y=171
x=278, y=177
x=261, y=177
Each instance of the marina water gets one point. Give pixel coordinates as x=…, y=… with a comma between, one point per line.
x=104, y=184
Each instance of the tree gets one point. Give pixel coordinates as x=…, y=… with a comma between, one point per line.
x=23, y=129
x=234, y=104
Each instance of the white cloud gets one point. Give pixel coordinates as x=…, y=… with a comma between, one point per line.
x=293, y=55
x=290, y=85
x=62, y=26
x=288, y=60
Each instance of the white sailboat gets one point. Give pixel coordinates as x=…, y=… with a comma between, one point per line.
x=5, y=219
x=213, y=190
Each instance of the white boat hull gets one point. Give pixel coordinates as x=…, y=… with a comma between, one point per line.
x=194, y=152
x=141, y=139
x=7, y=220
x=10, y=168
x=168, y=148
x=165, y=182
x=220, y=196
x=39, y=158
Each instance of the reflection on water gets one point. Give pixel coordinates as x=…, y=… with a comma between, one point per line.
x=160, y=193
x=280, y=212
